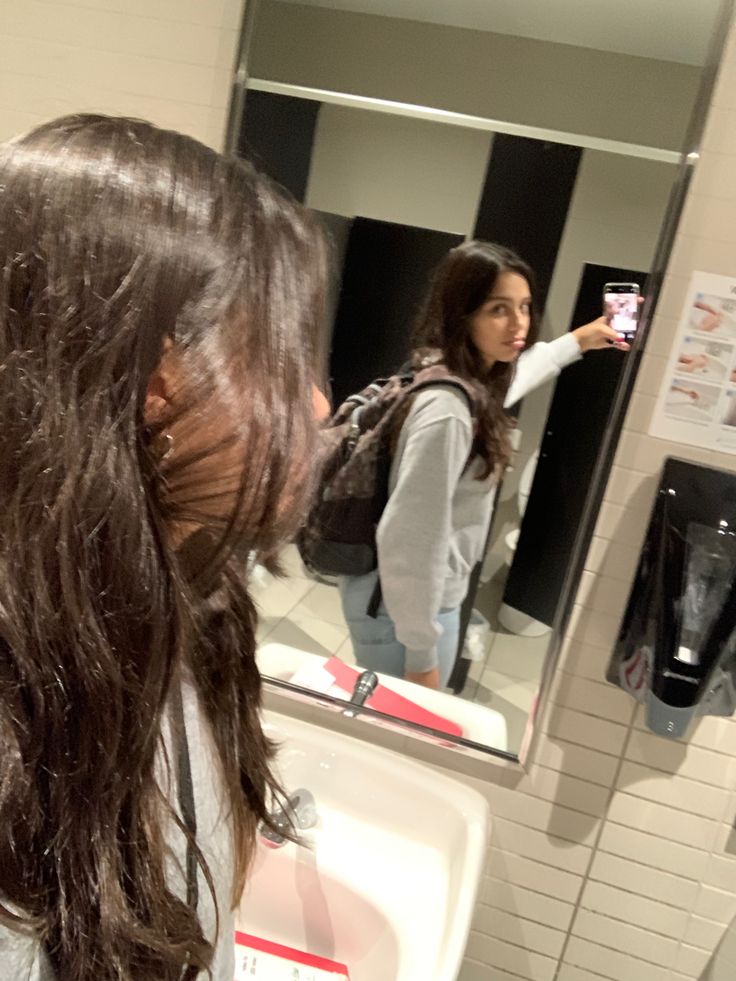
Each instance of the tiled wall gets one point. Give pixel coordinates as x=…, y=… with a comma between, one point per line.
x=169, y=61
x=614, y=856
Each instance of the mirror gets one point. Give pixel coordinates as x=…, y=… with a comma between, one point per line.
x=411, y=127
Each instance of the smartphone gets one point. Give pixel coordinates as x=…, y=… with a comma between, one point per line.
x=621, y=306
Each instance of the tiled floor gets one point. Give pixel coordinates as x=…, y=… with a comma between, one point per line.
x=302, y=613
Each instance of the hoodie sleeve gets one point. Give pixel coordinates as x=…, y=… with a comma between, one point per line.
x=22, y=956
x=540, y=363
x=414, y=532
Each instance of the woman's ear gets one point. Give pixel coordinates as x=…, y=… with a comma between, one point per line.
x=161, y=386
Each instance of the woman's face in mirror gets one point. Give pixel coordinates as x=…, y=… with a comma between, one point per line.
x=500, y=326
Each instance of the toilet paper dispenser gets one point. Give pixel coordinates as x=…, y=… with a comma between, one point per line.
x=676, y=647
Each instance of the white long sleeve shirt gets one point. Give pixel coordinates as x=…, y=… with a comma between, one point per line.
x=433, y=529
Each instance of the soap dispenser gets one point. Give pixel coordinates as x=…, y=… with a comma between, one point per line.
x=676, y=648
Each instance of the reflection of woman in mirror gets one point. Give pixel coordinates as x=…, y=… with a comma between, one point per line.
x=479, y=321
x=157, y=338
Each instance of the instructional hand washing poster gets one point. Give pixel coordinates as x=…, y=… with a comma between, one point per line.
x=697, y=403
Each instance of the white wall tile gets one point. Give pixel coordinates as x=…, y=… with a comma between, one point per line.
x=584, y=661
x=602, y=594
x=592, y=697
x=715, y=734
x=577, y=727
x=703, y=933
x=512, y=928
x=670, y=856
x=637, y=910
x=532, y=875
x=536, y=812
x=611, y=963
x=685, y=759
x=562, y=854
x=715, y=904
x=633, y=877
x=644, y=944
x=495, y=953
x=570, y=973
x=656, y=819
x=609, y=559
x=640, y=412
x=692, y=960
x=619, y=524
x=673, y=791
x=162, y=60
x=566, y=791
x=631, y=487
x=721, y=873
x=477, y=971
x=526, y=903
x=577, y=761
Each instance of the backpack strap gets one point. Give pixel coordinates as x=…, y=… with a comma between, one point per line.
x=375, y=600
x=450, y=381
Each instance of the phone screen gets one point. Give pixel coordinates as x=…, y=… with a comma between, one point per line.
x=622, y=309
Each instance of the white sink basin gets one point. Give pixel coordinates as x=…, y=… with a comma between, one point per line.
x=388, y=885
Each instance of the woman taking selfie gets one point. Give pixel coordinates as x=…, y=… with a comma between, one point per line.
x=479, y=322
x=158, y=311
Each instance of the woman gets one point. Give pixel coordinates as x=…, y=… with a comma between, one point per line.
x=158, y=309
x=479, y=321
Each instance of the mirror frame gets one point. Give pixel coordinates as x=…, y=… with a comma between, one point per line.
x=678, y=194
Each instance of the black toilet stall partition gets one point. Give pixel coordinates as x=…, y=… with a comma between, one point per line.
x=577, y=420
x=386, y=270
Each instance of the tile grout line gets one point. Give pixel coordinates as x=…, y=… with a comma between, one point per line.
x=594, y=848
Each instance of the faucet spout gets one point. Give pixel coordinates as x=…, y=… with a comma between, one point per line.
x=364, y=687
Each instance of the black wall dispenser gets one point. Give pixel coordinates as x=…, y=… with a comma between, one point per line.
x=676, y=649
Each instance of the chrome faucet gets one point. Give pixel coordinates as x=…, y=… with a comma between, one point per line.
x=299, y=812
x=364, y=687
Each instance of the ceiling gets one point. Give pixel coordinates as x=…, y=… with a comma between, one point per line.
x=670, y=30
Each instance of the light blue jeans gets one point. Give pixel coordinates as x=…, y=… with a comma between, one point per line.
x=374, y=639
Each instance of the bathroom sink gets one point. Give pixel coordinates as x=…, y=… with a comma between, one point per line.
x=386, y=881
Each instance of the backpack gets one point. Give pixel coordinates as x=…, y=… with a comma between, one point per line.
x=339, y=537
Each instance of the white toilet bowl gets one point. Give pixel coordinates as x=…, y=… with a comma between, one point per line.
x=510, y=618
x=525, y=486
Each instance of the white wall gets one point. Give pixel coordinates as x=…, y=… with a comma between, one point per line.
x=609, y=859
x=558, y=86
x=396, y=169
x=168, y=61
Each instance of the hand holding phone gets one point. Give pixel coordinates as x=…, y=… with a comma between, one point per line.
x=621, y=308
x=597, y=336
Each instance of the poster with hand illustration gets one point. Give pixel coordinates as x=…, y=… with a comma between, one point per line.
x=697, y=403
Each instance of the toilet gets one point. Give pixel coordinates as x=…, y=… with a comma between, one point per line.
x=510, y=618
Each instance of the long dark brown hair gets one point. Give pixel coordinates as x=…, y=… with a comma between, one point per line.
x=120, y=540
x=460, y=286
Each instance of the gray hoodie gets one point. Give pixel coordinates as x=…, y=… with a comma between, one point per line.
x=433, y=529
